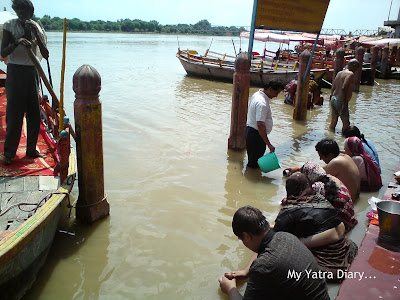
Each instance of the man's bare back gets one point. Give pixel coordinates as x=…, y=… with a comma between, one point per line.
x=343, y=85
x=344, y=168
x=341, y=92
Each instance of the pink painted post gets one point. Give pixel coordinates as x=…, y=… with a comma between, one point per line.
x=240, y=97
x=357, y=78
x=398, y=57
x=300, y=110
x=374, y=61
x=393, y=55
x=339, y=62
x=384, y=62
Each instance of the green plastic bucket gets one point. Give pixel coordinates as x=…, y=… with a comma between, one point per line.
x=269, y=162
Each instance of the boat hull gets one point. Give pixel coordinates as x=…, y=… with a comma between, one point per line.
x=224, y=72
x=27, y=235
x=18, y=273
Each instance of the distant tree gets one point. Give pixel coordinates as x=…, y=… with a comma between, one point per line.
x=76, y=25
x=156, y=25
x=57, y=24
x=46, y=21
x=127, y=26
x=202, y=25
x=136, y=25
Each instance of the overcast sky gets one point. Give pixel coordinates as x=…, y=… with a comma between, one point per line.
x=349, y=15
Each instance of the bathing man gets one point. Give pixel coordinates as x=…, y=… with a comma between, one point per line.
x=342, y=89
x=340, y=165
x=279, y=267
x=259, y=122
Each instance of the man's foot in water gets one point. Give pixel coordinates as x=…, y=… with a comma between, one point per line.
x=35, y=154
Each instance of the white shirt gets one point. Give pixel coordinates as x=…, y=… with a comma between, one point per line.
x=367, y=57
x=19, y=56
x=260, y=111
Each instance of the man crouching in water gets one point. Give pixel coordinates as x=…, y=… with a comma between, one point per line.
x=278, y=257
x=341, y=92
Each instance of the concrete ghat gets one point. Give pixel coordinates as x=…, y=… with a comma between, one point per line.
x=379, y=266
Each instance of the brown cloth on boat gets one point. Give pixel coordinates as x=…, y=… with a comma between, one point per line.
x=334, y=257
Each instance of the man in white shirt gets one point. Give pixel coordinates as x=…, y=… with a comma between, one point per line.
x=259, y=122
x=367, y=56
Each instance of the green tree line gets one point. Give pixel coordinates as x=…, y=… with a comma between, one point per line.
x=128, y=25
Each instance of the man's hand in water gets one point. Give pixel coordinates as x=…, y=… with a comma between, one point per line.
x=241, y=274
x=226, y=284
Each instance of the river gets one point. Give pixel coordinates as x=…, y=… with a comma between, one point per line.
x=171, y=183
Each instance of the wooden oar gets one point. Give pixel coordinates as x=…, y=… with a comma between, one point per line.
x=326, y=81
x=47, y=83
x=62, y=114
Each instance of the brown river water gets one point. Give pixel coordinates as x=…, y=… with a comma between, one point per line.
x=171, y=183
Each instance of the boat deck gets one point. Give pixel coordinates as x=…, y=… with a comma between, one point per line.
x=20, y=197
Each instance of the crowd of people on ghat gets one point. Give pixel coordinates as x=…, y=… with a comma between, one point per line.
x=309, y=233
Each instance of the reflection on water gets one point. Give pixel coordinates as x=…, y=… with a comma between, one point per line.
x=171, y=183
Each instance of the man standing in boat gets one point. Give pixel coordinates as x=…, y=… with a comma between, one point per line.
x=259, y=122
x=22, y=83
x=341, y=92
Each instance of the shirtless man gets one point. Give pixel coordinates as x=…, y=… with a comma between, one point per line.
x=341, y=92
x=340, y=165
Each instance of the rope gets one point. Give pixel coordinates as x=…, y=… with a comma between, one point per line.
x=69, y=181
x=92, y=204
x=37, y=205
x=71, y=206
x=41, y=202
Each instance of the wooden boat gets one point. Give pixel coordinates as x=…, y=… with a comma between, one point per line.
x=31, y=207
x=222, y=67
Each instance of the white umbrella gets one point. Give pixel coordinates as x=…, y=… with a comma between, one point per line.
x=382, y=42
x=4, y=17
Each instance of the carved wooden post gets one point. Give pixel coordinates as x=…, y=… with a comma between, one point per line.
x=300, y=110
x=393, y=55
x=240, y=97
x=339, y=62
x=398, y=56
x=92, y=202
x=64, y=148
x=357, y=78
x=374, y=61
x=384, y=62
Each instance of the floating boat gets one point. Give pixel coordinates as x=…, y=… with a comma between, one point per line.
x=33, y=192
x=282, y=65
x=222, y=67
